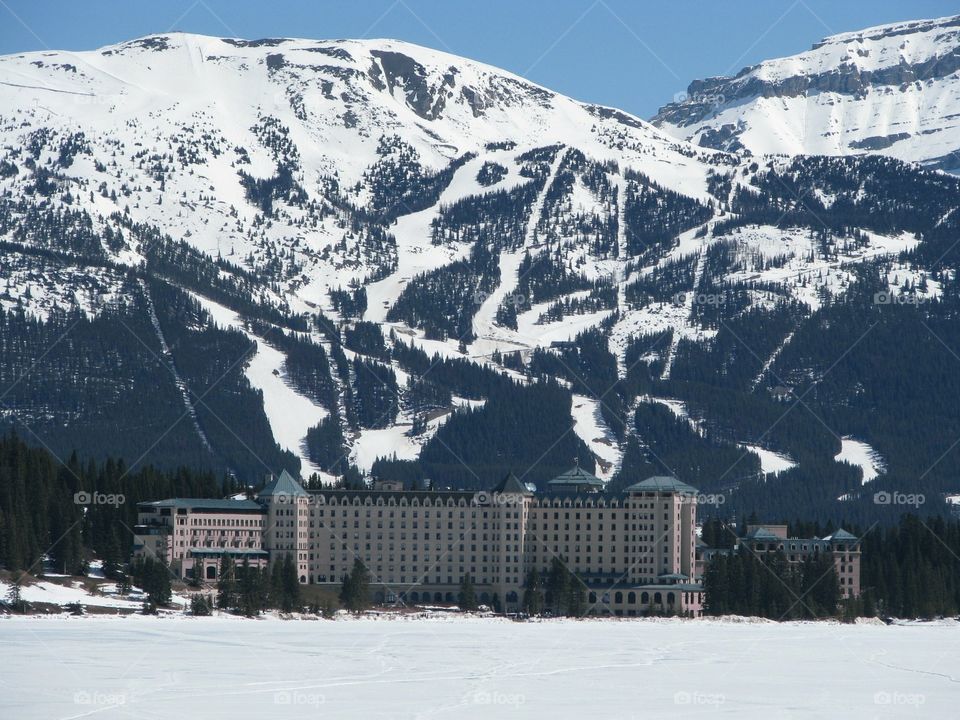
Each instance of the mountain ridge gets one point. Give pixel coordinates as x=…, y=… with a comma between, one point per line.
x=341, y=262
x=884, y=89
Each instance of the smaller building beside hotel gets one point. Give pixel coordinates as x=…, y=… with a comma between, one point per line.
x=842, y=547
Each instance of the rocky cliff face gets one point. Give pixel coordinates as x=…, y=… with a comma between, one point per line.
x=891, y=89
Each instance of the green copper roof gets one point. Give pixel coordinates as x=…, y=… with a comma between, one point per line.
x=673, y=576
x=762, y=533
x=284, y=485
x=841, y=534
x=576, y=476
x=663, y=483
x=205, y=504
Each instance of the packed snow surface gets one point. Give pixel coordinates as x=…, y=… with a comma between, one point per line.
x=857, y=452
x=770, y=462
x=455, y=667
x=589, y=425
x=289, y=413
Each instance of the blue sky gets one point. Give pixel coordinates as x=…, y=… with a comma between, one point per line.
x=631, y=54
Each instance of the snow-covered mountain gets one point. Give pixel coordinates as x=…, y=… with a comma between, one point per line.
x=320, y=165
x=311, y=251
x=185, y=114
x=892, y=89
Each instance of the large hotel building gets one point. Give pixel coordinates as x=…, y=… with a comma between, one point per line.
x=637, y=552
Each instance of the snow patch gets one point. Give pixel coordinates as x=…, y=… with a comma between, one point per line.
x=859, y=453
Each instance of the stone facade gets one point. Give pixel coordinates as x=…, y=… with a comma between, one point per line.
x=191, y=535
x=840, y=545
x=635, y=552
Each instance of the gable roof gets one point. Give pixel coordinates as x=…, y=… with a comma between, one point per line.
x=664, y=484
x=284, y=485
x=510, y=484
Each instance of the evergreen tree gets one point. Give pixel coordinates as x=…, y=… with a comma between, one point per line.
x=355, y=591
x=199, y=606
x=290, y=598
x=558, y=586
x=533, y=601
x=250, y=591
x=275, y=585
x=227, y=583
x=467, y=597
x=15, y=598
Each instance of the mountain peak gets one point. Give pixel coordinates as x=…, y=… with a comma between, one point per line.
x=889, y=30
x=866, y=91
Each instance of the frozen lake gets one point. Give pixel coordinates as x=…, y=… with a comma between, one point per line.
x=211, y=668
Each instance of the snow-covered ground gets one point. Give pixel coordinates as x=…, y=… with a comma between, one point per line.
x=678, y=408
x=589, y=425
x=455, y=667
x=68, y=592
x=859, y=453
x=889, y=113
x=289, y=413
x=770, y=462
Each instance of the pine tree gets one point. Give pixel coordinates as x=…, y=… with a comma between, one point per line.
x=199, y=606
x=249, y=589
x=576, y=597
x=533, y=594
x=15, y=598
x=558, y=580
x=468, y=597
x=291, y=585
x=355, y=591
x=227, y=583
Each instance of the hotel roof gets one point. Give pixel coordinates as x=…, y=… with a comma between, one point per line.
x=284, y=485
x=511, y=484
x=841, y=534
x=575, y=476
x=206, y=504
x=662, y=483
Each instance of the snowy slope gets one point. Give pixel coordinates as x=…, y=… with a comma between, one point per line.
x=892, y=89
x=305, y=168
x=186, y=134
x=182, y=115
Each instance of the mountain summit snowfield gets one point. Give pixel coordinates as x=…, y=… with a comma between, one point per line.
x=313, y=253
x=892, y=89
